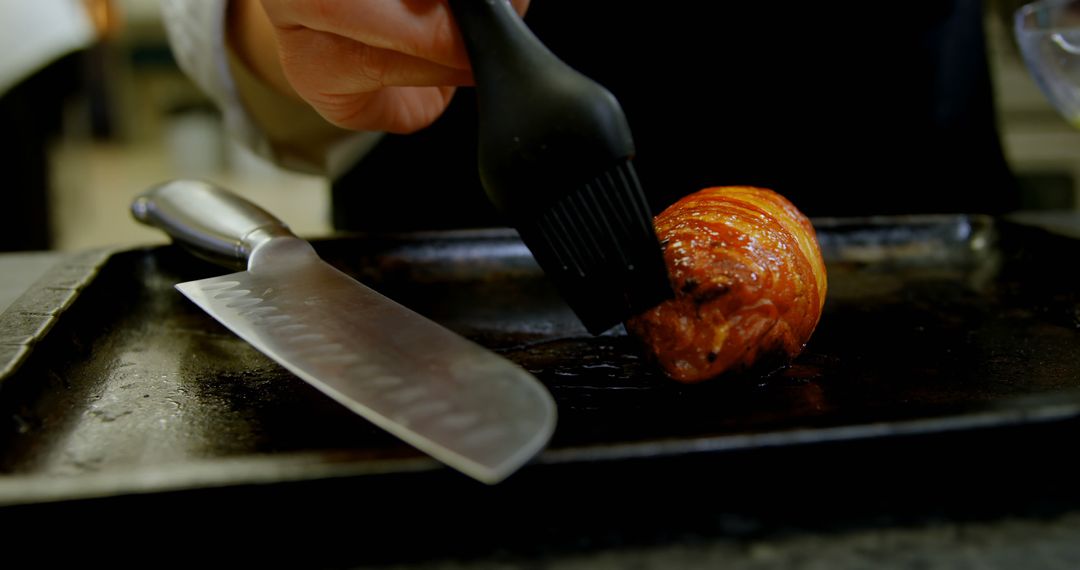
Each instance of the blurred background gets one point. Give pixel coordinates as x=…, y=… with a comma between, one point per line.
x=108, y=121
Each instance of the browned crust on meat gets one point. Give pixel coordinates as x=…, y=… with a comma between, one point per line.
x=749, y=283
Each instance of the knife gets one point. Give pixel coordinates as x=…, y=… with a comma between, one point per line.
x=447, y=396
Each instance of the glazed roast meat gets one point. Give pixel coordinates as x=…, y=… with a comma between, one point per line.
x=749, y=283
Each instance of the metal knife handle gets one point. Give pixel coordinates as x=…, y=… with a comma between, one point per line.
x=209, y=219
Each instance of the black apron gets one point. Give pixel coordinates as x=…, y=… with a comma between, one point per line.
x=846, y=108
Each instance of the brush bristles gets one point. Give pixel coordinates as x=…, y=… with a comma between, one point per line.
x=598, y=245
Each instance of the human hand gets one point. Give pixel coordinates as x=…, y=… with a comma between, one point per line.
x=374, y=65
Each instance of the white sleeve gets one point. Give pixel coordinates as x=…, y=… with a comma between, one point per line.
x=34, y=34
x=196, y=32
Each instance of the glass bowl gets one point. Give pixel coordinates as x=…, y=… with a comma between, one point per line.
x=1048, y=34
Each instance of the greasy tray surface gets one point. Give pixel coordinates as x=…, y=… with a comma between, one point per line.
x=931, y=324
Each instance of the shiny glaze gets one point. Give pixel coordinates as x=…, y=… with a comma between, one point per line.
x=749, y=283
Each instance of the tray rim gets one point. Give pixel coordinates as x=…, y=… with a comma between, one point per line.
x=68, y=278
x=27, y=321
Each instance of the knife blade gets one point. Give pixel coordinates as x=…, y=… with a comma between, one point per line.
x=449, y=397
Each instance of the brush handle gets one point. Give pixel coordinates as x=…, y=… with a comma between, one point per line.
x=545, y=129
x=502, y=49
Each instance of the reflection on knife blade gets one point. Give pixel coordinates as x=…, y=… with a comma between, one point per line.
x=449, y=397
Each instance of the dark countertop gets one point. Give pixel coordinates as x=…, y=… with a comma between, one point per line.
x=1014, y=504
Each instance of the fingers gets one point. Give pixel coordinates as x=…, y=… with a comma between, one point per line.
x=359, y=87
x=420, y=28
x=386, y=65
x=324, y=64
x=424, y=29
x=393, y=109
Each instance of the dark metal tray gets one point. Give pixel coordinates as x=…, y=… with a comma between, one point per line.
x=115, y=385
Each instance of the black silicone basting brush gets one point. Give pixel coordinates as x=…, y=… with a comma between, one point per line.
x=555, y=157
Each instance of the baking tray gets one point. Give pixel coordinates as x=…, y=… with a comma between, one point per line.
x=114, y=385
